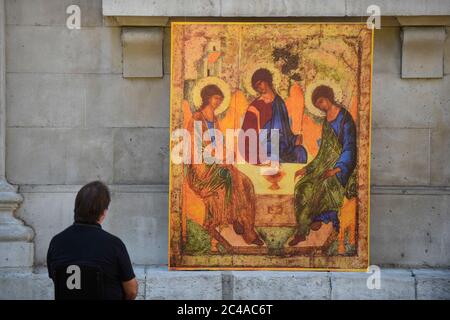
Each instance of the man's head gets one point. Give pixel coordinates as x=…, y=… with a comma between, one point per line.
x=323, y=97
x=91, y=203
x=262, y=81
x=212, y=95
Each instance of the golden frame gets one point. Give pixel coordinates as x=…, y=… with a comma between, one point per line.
x=363, y=263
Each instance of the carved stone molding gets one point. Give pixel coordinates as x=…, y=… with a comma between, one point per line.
x=16, y=248
x=142, y=50
x=423, y=52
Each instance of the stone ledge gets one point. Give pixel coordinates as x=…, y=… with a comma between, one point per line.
x=182, y=285
x=432, y=284
x=156, y=282
x=396, y=284
x=271, y=8
x=283, y=285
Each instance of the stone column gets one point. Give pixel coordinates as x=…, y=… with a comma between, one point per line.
x=16, y=246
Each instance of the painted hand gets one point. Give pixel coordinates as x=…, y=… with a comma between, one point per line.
x=330, y=172
x=300, y=172
x=299, y=140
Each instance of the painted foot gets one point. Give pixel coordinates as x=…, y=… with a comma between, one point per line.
x=258, y=242
x=238, y=228
x=316, y=225
x=297, y=238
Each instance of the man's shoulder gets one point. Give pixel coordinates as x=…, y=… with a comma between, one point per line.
x=111, y=237
x=347, y=117
x=197, y=116
x=97, y=231
x=61, y=235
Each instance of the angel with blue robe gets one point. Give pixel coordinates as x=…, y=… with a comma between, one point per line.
x=269, y=112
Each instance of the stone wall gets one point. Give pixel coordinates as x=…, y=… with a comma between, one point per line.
x=73, y=118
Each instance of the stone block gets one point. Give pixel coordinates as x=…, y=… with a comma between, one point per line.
x=140, y=273
x=16, y=254
x=142, y=52
x=270, y=8
x=167, y=54
x=183, y=285
x=141, y=156
x=387, y=51
x=439, y=156
x=423, y=52
x=410, y=103
x=447, y=52
x=65, y=101
x=24, y=284
x=58, y=156
x=273, y=285
x=410, y=230
x=48, y=213
x=169, y=8
x=400, y=8
x=52, y=12
x=89, y=50
x=394, y=285
x=137, y=215
x=432, y=284
x=44, y=100
x=400, y=156
x=139, y=218
x=112, y=101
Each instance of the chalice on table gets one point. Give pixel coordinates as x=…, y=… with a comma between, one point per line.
x=274, y=177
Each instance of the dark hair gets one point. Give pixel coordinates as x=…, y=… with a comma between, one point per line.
x=262, y=74
x=209, y=91
x=91, y=201
x=322, y=92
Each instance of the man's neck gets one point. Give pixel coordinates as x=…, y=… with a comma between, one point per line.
x=333, y=112
x=268, y=96
x=208, y=113
x=94, y=224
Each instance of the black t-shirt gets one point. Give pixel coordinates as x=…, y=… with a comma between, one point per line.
x=90, y=244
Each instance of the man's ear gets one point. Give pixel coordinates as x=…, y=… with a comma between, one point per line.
x=103, y=216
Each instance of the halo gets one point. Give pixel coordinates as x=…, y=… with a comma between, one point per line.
x=309, y=90
x=276, y=76
x=223, y=86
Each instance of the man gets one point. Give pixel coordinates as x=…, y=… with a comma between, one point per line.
x=85, y=242
x=268, y=111
x=319, y=194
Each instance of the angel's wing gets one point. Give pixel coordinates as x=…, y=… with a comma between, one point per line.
x=235, y=113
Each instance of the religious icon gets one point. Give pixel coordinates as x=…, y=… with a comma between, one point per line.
x=270, y=146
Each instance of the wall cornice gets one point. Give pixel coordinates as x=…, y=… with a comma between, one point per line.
x=272, y=8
